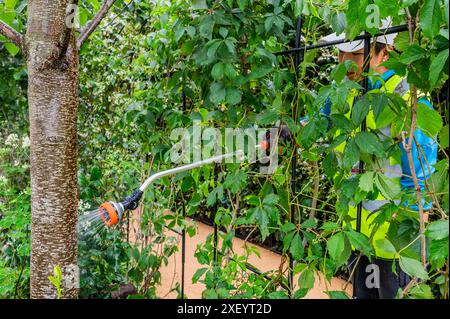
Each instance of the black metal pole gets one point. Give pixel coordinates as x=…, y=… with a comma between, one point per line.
x=293, y=209
x=364, y=36
x=365, y=85
x=183, y=207
x=183, y=249
x=215, y=239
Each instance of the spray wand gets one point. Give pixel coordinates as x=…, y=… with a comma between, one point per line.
x=111, y=212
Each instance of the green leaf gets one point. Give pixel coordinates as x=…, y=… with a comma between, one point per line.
x=309, y=134
x=199, y=4
x=369, y=143
x=234, y=96
x=288, y=227
x=330, y=226
x=366, y=181
x=443, y=137
x=429, y=120
x=242, y=4
x=336, y=246
x=217, y=92
x=355, y=15
x=12, y=48
x=330, y=164
x=299, y=267
x=217, y=193
x=388, y=7
x=287, y=240
x=389, y=187
x=395, y=65
x=401, y=42
x=413, y=267
x=359, y=241
x=309, y=223
x=336, y=294
x=339, y=72
x=438, y=229
x=299, y=7
x=217, y=71
x=386, y=245
x=351, y=154
x=271, y=199
x=296, y=248
x=437, y=64
x=340, y=121
x=360, y=110
x=421, y=291
x=207, y=26
x=260, y=72
x=268, y=117
x=339, y=98
x=236, y=181
x=338, y=22
x=96, y=173
x=229, y=71
x=260, y=216
x=438, y=252
x=412, y=53
x=198, y=274
x=379, y=103
x=253, y=200
x=430, y=18
x=280, y=294
x=306, y=279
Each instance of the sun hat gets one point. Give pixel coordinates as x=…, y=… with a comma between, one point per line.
x=353, y=46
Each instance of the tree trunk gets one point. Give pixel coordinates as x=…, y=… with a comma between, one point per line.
x=52, y=61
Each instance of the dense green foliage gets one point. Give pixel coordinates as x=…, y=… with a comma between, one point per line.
x=133, y=72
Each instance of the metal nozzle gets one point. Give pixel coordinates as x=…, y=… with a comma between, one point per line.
x=111, y=212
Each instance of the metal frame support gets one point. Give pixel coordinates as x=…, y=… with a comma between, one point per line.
x=293, y=209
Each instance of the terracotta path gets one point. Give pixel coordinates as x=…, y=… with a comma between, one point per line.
x=171, y=274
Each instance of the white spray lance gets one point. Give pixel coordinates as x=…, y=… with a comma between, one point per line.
x=111, y=212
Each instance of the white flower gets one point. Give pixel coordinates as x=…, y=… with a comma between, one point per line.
x=3, y=179
x=25, y=142
x=12, y=140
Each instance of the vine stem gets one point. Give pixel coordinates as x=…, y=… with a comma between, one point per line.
x=408, y=148
x=411, y=284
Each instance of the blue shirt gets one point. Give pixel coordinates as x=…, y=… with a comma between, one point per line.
x=427, y=155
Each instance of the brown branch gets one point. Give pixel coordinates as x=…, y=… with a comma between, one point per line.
x=315, y=196
x=430, y=185
x=14, y=36
x=91, y=25
x=411, y=284
x=408, y=149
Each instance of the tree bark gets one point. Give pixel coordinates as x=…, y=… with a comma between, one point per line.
x=52, y=62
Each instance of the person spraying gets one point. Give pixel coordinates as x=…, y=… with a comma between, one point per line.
x=397, y=169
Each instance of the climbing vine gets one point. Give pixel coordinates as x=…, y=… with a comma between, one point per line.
x=220, y=55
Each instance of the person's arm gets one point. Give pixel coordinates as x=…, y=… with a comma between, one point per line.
x=424, y=158
x=285, y=133
x=325, y=110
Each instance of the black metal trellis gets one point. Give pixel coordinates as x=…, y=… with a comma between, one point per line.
x=298, y=55
x=293, y=208
x=183, y=249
